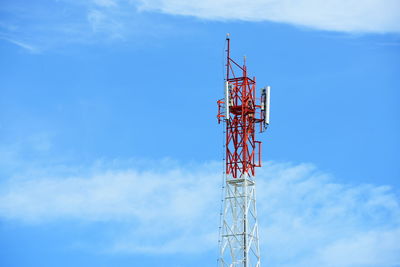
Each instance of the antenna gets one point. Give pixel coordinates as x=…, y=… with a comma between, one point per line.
x=265, y=107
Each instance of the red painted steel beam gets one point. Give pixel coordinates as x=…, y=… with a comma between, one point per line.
x=241, y=144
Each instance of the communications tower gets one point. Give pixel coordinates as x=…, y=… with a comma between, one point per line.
x=241, y=112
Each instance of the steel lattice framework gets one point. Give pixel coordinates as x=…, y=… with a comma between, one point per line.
x=240, y=110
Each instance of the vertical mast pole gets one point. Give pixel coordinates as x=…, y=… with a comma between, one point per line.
x=227, y=57
x=245, y=125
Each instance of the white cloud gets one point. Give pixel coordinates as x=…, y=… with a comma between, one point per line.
x=106, y=3
x=336, y=15
x=361, y=250
x=102, y=22
x=39, y=27
x=316, y=222
x=306, y=219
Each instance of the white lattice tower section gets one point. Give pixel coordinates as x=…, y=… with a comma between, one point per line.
x=239, y=243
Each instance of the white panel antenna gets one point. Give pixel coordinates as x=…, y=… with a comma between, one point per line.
x=227, y=100
x=267, y=104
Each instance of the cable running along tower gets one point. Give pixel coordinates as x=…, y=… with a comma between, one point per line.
x=241, y=112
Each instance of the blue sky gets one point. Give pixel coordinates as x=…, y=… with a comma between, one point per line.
x=110, y=153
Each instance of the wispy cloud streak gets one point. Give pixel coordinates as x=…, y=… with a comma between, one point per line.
x=58, y=23
x=28, y=47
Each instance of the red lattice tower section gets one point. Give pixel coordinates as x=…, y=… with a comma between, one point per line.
x=241, y=111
